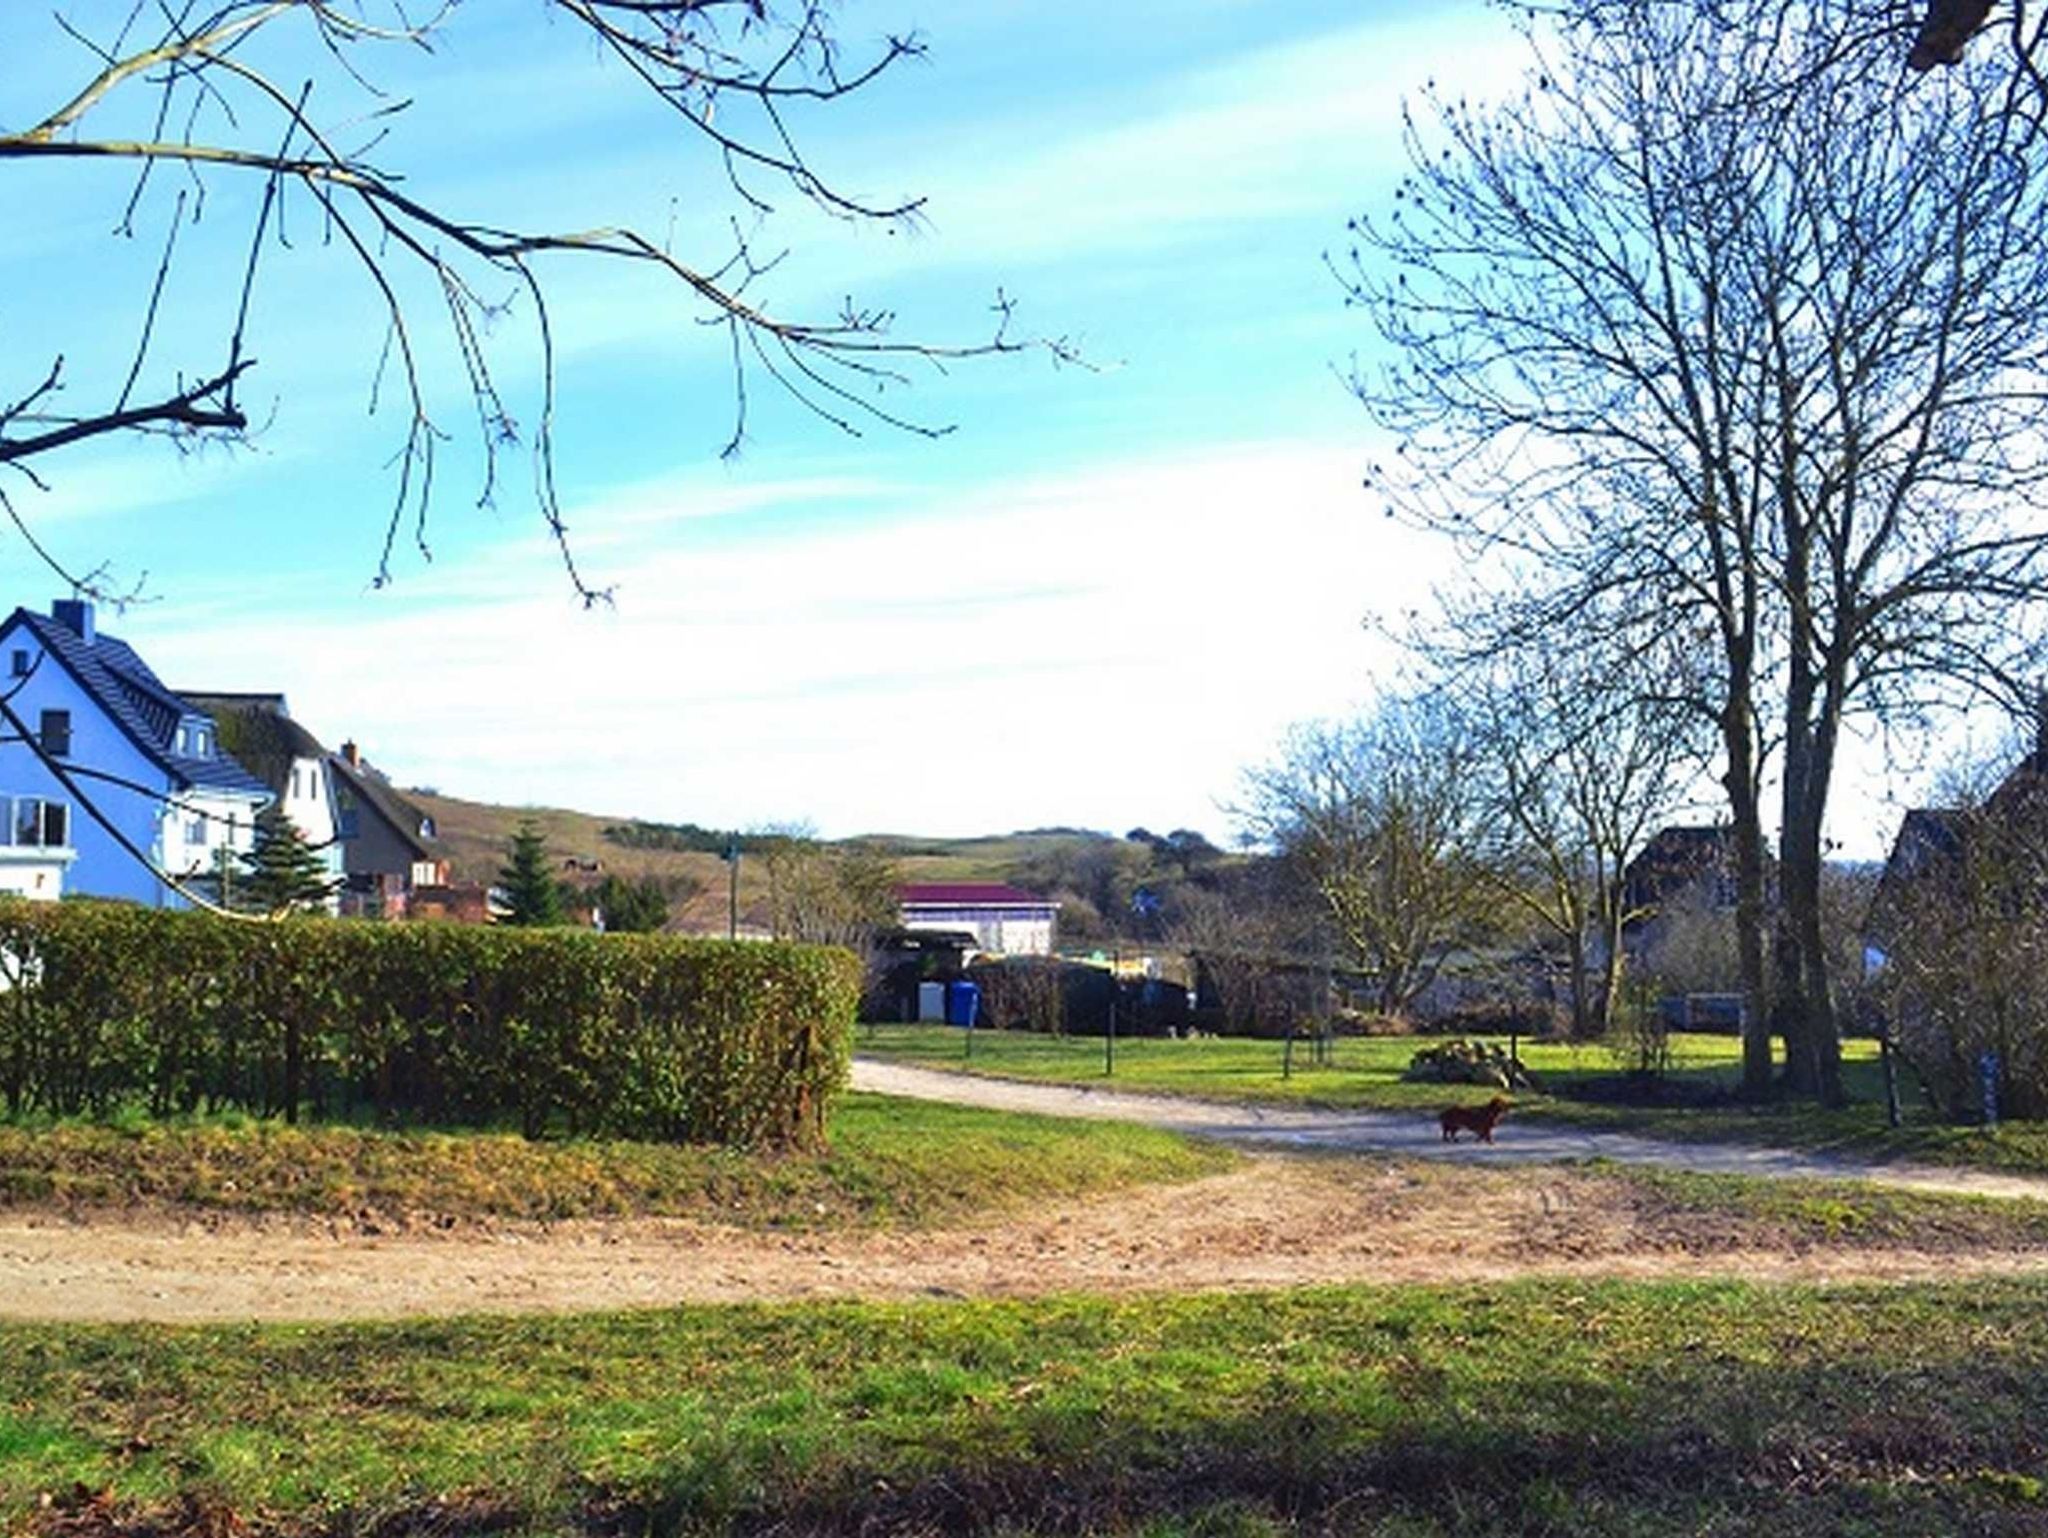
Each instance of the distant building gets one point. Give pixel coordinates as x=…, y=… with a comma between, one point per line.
x=2007, y=833
x=170, y=802
x=1001, y=919
x=1680, y=870
x=387, y=844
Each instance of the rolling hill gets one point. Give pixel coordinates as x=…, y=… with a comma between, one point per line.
x=474, y=836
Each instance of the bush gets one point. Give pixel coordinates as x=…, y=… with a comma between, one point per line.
x=1022, y=993
x=1497, y=1017
x=105, y=1006
x=1368, y=1022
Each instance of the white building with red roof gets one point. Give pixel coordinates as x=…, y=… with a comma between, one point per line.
x=1002, y=919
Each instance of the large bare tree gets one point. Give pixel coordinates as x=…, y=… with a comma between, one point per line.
x=282, y=95
x=1380, y=818
x=1580, y=756
x=1716, y=328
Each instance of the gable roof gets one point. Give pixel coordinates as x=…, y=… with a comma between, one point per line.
x=969, y=894
x=258, y=731
x=374, y=791
x=135, y=700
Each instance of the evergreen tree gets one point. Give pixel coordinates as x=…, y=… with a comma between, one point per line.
x=531, y=891
x=631, y=907
x=281, y=870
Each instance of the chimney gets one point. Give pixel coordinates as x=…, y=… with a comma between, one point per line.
x=75, y=615
x=353, y=754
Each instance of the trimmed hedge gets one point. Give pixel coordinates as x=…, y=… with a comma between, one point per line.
x=639, y=1036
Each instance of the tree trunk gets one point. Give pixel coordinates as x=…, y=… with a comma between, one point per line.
x=1575, y=945
x=1746, y=827
x=1614, y=972
x=1813, y=1045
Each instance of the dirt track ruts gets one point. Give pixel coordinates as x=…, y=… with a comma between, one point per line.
x=1276, y=1222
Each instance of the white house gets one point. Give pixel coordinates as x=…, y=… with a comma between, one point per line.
x=1002, y=919
x=260, y=734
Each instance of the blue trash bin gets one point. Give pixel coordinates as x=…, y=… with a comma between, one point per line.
x=963, y=1002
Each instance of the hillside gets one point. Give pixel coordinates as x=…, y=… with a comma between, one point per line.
x=474, y=836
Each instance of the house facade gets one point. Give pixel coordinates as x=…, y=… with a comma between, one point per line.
x=258, y=732
x=1682, y=870
x=1002, y=920
x=123, y=790
x=388, y=846
x=1939, y=851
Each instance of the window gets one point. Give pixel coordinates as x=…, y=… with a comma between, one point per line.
x=20, y=663
x=195, y=832
x=38, y=824
x=56, y=733
x=295, y=782
x=202, y=743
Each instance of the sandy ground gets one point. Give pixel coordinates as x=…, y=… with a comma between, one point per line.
x=1278, y=1221
x=1416, y=1136
x=1381, y=1204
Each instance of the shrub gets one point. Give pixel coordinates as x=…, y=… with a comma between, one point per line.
x=1023, y=993
x=1497, y=1017
x=105, y=1006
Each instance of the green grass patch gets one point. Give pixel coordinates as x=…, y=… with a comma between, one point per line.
x=1364, y=1073
x=889, y=1161
x=1537, y=1408
x=1802, y=1214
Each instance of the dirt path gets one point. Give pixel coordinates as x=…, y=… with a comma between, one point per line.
x=1275, y=1222
x=1499, y=1212
x=1415, y=1136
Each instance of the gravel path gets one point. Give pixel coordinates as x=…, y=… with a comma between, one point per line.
x=1416, y=1136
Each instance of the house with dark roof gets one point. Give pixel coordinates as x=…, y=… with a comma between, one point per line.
x=2003, y=838
x=258, y=732
x=1682, y=869
x=1001, y=919
x=388, y=845
x=108, y=778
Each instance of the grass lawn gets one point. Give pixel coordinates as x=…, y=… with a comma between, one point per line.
x=1568, y=1408
x=1365, y=1072
x=890, y=1161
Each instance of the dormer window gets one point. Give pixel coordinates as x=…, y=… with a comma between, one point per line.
x=195, y=742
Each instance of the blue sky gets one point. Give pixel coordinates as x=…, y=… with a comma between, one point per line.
x=1094, y=602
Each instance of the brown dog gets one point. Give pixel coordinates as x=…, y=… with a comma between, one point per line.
x=1480, y=1119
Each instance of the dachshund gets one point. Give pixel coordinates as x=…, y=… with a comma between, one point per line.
x=1480, y=1119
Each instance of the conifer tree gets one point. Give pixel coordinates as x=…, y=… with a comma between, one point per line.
x=281, y=870
x=531, y=891
x=631, y=907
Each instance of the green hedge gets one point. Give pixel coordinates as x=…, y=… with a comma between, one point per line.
x=638, y=1036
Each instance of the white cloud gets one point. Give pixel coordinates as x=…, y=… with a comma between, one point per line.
x=1108, y=646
